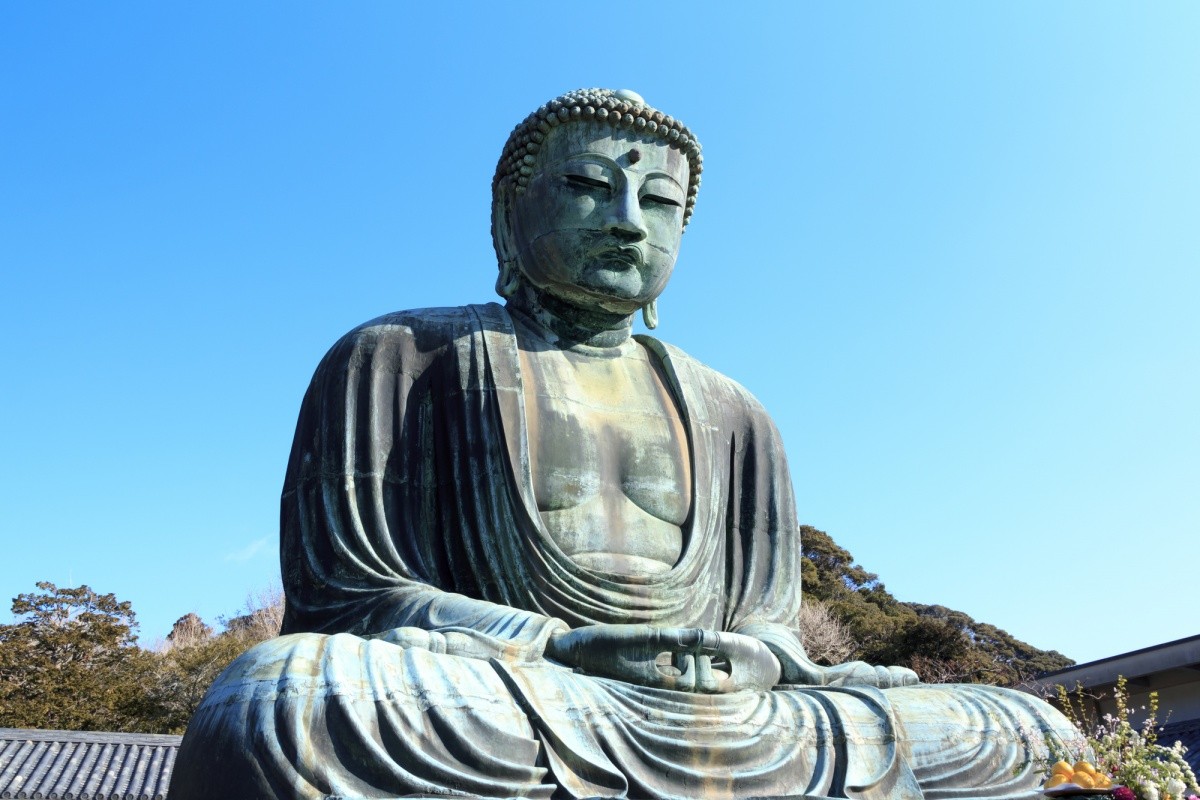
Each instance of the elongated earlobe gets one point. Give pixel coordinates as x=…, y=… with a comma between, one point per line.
x=509, y=278
x=650, y=314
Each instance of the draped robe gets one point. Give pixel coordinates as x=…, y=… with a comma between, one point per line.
x=422, y=585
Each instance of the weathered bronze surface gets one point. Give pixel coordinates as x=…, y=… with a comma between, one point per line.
x=527, y=554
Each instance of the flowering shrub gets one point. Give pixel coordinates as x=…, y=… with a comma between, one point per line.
x=1133, y=757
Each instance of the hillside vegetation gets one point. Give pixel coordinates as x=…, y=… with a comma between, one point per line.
x=941, y=644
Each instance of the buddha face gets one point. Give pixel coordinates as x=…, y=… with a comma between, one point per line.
x=600, y=223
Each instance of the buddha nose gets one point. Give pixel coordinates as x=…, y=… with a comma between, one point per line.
x=625, y=214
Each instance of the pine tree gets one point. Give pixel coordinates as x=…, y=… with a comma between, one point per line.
x=71, y=661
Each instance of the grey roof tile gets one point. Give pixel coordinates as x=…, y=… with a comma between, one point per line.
x=1187, y=732
x=65, y=765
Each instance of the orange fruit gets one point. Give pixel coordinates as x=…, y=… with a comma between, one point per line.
x=1057, y=779
x=1062, y=768
x=1083, y=766
x=1084, y=779
x=1103, y=782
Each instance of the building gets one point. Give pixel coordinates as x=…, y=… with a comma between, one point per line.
x=62, y=765
x=1172, y=670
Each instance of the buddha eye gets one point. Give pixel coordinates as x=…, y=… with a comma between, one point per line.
x=659, y=199
x=585, y=183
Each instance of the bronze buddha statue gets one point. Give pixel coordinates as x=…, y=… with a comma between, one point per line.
x=528, y=554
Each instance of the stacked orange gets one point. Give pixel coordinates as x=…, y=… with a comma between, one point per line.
x=1081, y=773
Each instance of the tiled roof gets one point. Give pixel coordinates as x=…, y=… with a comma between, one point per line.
x=1187, y=732
x=1181, y=654
x=75, y=765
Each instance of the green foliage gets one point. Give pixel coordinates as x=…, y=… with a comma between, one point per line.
x=1009, y=660
x=939, y=643
x=194, y=656
x=851, y=593
x=184, y=673
x=70, y=661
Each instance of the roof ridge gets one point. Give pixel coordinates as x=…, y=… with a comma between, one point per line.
x=40, y=735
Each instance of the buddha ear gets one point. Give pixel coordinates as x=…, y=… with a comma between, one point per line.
x=505, y=243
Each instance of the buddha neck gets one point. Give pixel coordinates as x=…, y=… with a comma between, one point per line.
x=568, y=327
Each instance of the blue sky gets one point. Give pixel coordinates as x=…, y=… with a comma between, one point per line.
x=951, y=247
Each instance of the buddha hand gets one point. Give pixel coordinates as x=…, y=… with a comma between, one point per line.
x=800, y=670
x=680, y=659
x=860, y=673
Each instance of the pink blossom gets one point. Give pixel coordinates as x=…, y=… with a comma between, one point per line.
x=1125, y=793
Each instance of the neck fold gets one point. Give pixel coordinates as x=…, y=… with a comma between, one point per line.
x=567, y=326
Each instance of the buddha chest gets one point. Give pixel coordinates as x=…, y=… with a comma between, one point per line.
x=609, y=459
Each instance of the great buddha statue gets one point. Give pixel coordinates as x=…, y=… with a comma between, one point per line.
x=528, y=554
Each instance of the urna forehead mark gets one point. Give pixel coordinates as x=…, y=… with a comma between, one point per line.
x=601, y=143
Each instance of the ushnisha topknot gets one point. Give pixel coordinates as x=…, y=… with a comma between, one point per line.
x=621, y=108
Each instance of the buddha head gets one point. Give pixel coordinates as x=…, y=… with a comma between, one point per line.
x=590, y=199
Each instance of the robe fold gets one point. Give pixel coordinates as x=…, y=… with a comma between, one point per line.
x=422, y=585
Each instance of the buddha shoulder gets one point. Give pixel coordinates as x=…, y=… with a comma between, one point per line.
x=419, y=333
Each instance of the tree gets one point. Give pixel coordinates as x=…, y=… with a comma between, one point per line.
x=71, y=661
x=855, y=596
x=826, y=638
x=193, y=656
x=999, y=657
x=941, y=644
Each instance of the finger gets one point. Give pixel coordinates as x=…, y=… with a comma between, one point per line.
x=653, y=678
x=618, y=635
x=407, y=637
x=734, y=648
x=667, y=639
x=686, y=663
x=676, y=640
x=706, y=681
x=883, y=677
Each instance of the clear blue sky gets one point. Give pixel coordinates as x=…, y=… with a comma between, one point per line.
x=952, y=247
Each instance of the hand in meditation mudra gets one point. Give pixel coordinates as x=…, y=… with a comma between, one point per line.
x=527, y=554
